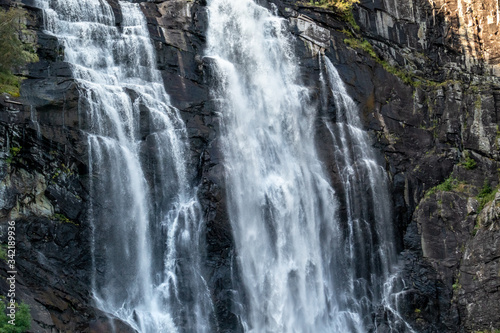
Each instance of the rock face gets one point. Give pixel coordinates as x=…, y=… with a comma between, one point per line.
x=427, y=91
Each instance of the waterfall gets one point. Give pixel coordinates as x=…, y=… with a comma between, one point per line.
x=369, y=231
x=145, y=217
x=305, y=266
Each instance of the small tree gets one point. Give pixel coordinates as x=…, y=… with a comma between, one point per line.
x=22, y=321
x=15, y=48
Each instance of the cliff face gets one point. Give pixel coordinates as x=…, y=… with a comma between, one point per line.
x=447, y=129
x=435, y=119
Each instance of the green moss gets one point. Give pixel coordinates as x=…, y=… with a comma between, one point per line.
x=478, y=103
x=364, y=45
x=63, y=219
x=361, y=44
x=62, y=170
x=435, y=84
x=9, y=84
x=406, y=76
x=22, y=322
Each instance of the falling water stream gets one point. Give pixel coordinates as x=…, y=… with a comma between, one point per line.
x=304, y=268
x=146, y=239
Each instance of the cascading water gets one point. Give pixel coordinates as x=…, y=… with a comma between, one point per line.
x=145, y=218
x=304, y=268
x=369, y=247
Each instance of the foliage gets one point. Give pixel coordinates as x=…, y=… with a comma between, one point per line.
x=23, y=319
x=470, y=163
x=63, y=218
x=486, y=194
x=14, y=151
x=9, y=83
x=3, y=252
x=448, y=185
x=15, y=48
x=343, y=7
x=364, y=45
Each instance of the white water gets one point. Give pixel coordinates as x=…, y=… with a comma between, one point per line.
x=304, y=268
x=146, y=244
x=370, y=234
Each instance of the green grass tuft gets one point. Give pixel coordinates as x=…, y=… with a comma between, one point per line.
x=448, y=185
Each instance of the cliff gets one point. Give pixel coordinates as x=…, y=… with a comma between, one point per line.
x=424, y=74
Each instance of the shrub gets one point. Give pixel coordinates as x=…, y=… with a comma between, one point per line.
x=13, y=152
x=343, y=7
x=15, y=48
x=3, y=252
x=469, y=163
x=448, y=185
x=486, y=194
x=23, y=319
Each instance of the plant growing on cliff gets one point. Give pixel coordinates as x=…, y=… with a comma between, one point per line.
x=343, y=7
x=470, y=163
x=22, y=322
x=486, y=194
x=13, y=152
x=3, y=252
x=63, y=219
x=16, y=49
x=449, y=184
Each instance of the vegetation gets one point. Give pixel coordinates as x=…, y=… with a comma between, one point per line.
x=14, y=151
x=448, y=185
x=343, y=7
x=3, y=252
x=23, y=319
x=470, y=163
x=363, y=44
x=9, y=83
x=486, y=194
x=63, y=218
x=15, y=48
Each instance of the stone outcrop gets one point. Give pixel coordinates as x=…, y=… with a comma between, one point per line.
x=427, y=91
